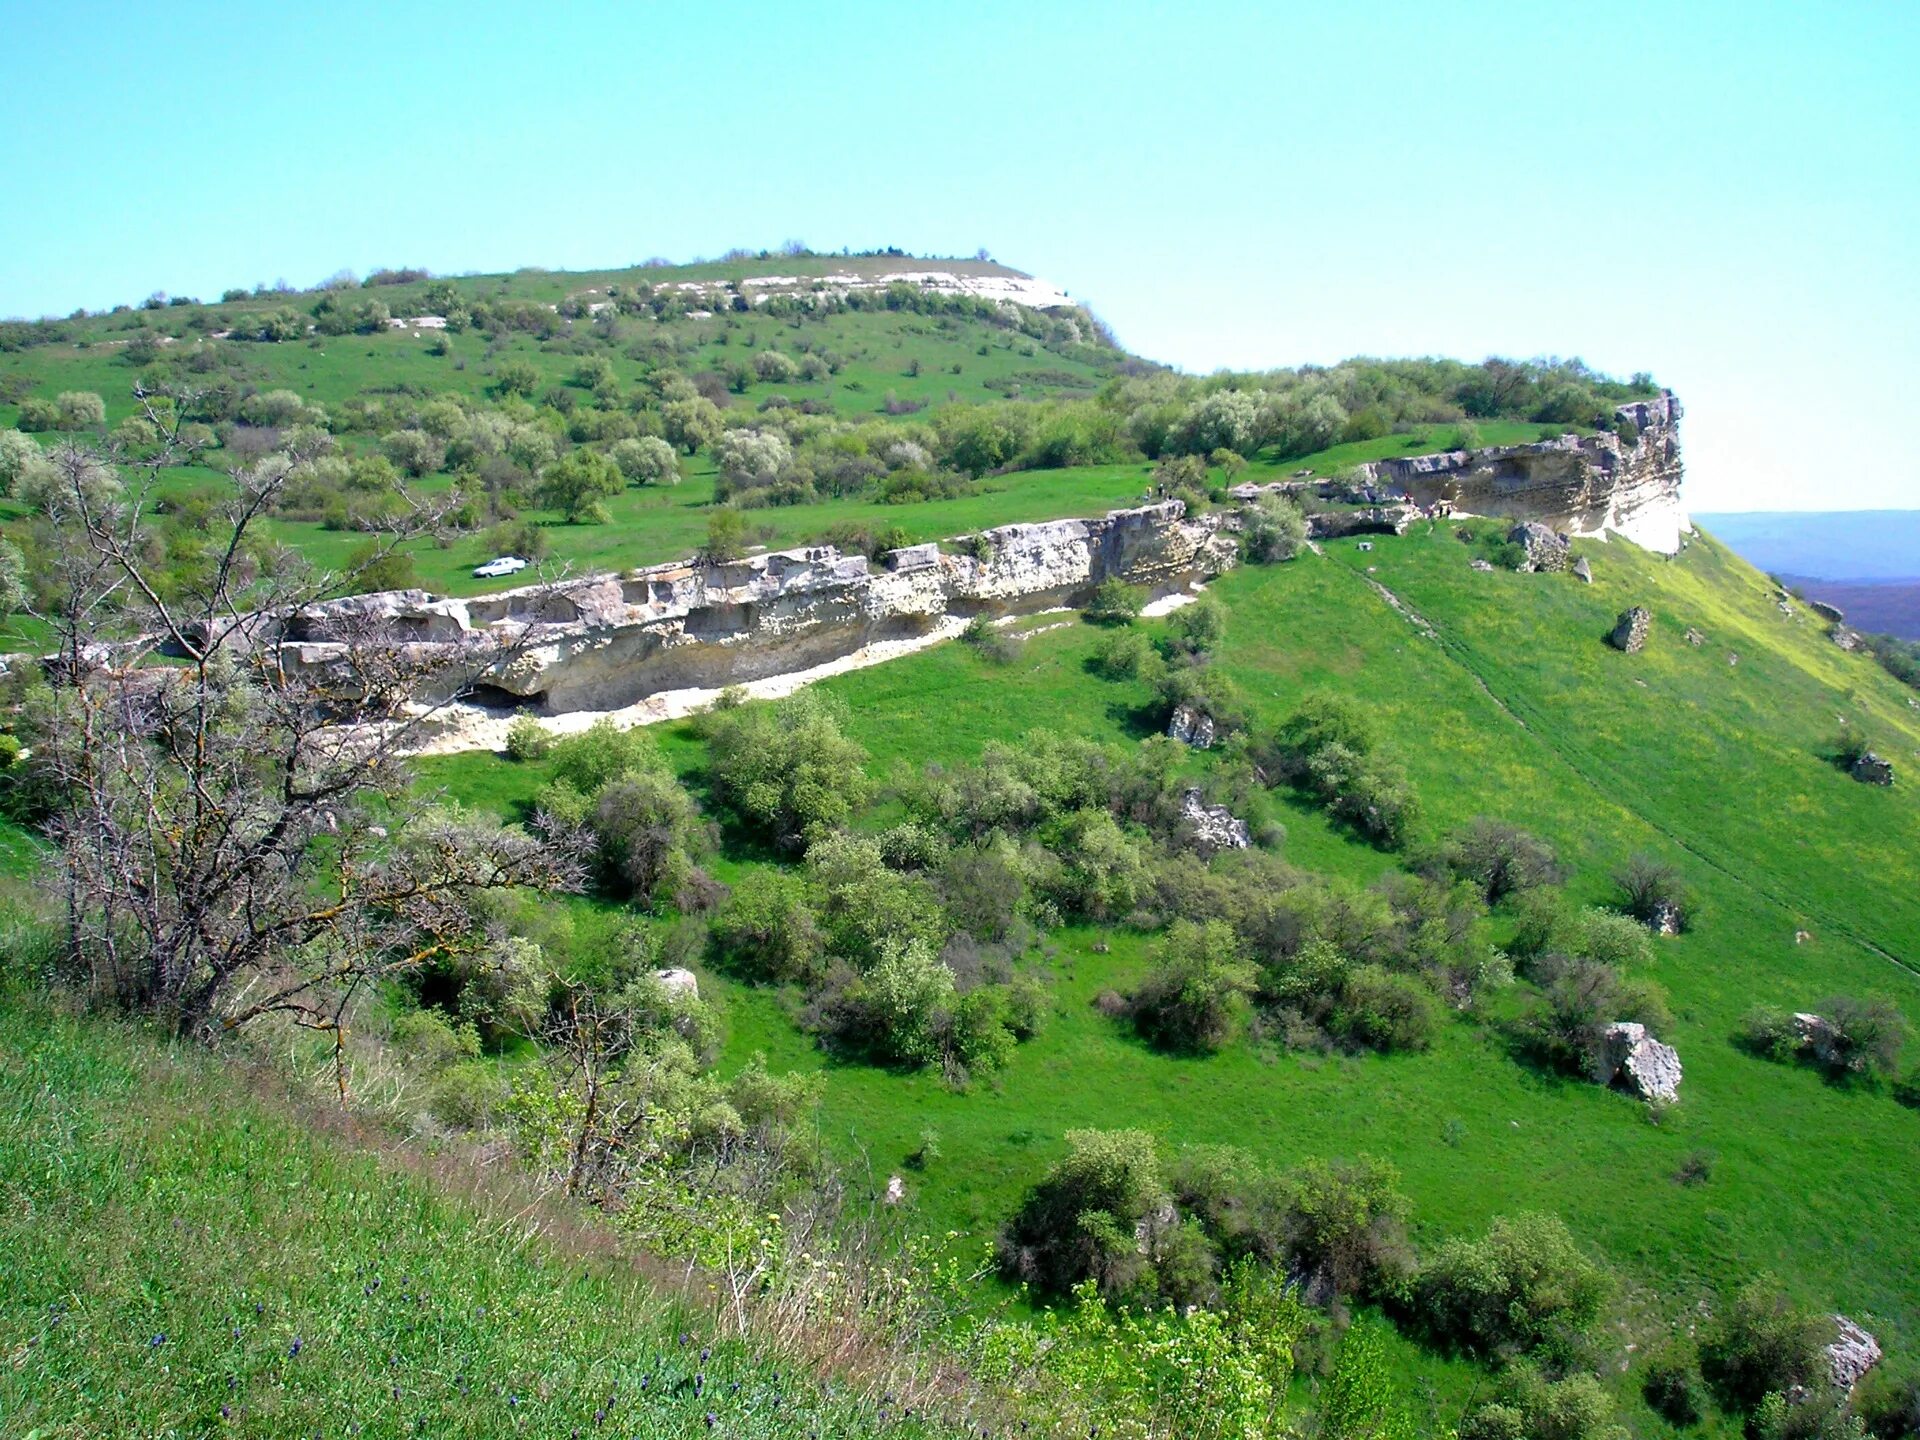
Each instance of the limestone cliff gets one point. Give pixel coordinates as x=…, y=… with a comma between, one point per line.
x=1585, y=485
x=608, y=642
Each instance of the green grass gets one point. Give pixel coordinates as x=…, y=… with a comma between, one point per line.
x=180, y=1256
x=1517, y=710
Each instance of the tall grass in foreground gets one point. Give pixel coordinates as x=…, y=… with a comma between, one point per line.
x=176, y=1257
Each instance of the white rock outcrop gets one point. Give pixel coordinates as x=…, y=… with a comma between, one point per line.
x=1586, y=485
x=1213, y=827
x=679, y=982
x=1852, y=1354
x=1640, y=1063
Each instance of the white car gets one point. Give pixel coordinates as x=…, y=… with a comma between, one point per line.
x=494, y=569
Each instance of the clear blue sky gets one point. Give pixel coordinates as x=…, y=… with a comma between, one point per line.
x=1723, y=194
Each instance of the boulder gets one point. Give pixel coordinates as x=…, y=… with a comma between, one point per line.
x=1816, y=1036
x=1827, y=612
x=679, y=982
x=1852, y=1354
x=1846, y=639
x=1664, y=918
x=1641, y=1064
x=1191, y=725
x=1695, y=638
x=1872, y=769
x=1546, y=547
x=1213, y=827
x=1481, y=565
x=1630, y=630
x=1583, y=571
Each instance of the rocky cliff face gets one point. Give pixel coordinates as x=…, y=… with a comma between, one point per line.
x=1585, y=485
x=606, y=642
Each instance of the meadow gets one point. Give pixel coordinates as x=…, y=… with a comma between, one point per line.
x=1516, y=710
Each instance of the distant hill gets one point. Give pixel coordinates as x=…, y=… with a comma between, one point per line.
x=1890, y=607
x=1827, y=545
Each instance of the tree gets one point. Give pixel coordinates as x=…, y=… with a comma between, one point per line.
x=774, y=368
x=786, y=769
x=578, y=484
x=1200, y=983
x=80, y=410
x=232, y=838
x=19, y=456
x=1275, y=529
x=690, y=422
x=414, y=451
x=648, y=460
x=516, y=377
x=1359, y=1402
x=726, y=535
x=1500, y=858
x=751, y=459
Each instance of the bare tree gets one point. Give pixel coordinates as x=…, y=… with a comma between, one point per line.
x=236, y=830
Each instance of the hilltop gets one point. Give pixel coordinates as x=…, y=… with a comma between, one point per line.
x=1208, y=945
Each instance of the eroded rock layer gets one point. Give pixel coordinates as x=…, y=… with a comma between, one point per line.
x=1582, y=484
x=607, y=642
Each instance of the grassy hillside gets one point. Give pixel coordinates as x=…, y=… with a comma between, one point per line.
x=1516, y=709
x=180, y=1256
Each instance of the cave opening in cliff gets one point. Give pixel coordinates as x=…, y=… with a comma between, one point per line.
x=495, y=697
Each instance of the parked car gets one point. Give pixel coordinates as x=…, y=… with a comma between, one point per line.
x=494, y=569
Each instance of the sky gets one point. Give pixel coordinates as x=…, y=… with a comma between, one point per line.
x=1723, y=194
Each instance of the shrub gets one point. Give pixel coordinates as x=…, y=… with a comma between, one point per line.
x=647, y=827
x=1115, y=602
x=768, y=931
x=1612, y=939
x=79, y=410
x=1866, y=1038
x=786, y=769
x=1125, y=655
x=1078, y=1223
x=863, y=906
x=1770, y=1032
x=1275, y=530
x=1195, y=995
x=896, y=1012
x=1500, y=858
x=528, y=739
x=1671, y=1384
x=1382, y=1011
x=1531, y=1407
x=1525, y=1286
x=1196, y=629
x=1344, y=1225
x=1566, y=1027
x=989, y=642
x=600, y=754
x=648, y=460
x=1761, y=1343
x=1653, y=891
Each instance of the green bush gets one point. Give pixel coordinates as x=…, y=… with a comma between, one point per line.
x=1671, y=1383
x=1078, y=1223
x=601, y=753
x=767, y=929
x=1275, y=530
x=785, y=769
x=1378, y=1010
x=1761, y=1343
x=1125, y=655
x=1500, y=858
x=1197, y=991
x=1652, y=890
x=1115, y=602
x=648, y=829
x=863, y=905
x=528, y=739
x=1529, y=1406
x=1524, y=1286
